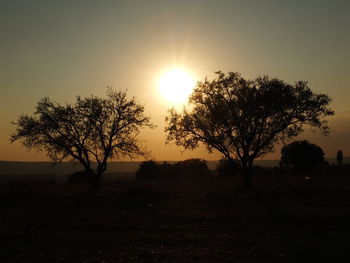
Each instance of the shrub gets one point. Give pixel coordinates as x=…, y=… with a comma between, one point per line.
x=147, y=170
x=166, y=169
x=195, y=167
x=302, y=155
x=150, y=169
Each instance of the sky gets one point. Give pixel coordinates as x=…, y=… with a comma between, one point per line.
x=62, y=49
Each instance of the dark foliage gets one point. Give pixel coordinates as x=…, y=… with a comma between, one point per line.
x=227, y=167
x=166, y=169
x=192, y=167
x=302, y=155
x=91, y=130
x=244, y=119
x=147, y=170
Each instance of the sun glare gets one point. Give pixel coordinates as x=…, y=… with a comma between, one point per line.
x=176, y=85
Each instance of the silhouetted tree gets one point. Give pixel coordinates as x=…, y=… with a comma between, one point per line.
x=90, y=130
x=147, y=170
x=193, y=166
x=244, y=119
x=340, y=157
x=302, y=155
x=166, y=169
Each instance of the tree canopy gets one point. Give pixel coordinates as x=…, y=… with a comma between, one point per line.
x=340, y=157
x=244, y=119
x=302, y=155
x=92, y=129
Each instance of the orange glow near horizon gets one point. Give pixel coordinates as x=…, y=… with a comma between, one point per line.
x=158, y=51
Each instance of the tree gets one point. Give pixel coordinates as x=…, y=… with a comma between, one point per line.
x=302, y=155
x=340, y=157
x=147, y=170
x=244, y=119
x=92, y=130
x=192, y=167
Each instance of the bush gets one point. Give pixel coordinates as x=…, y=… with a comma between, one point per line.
x=150, y=169
x=302, y=156
x=195, y=167
x=147, y=170
x=227, y=167
x=166, y=169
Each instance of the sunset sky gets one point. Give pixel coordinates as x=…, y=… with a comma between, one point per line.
x=61, y=49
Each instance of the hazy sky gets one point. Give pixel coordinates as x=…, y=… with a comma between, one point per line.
x=62, y=49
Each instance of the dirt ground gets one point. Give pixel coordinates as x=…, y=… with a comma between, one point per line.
x=183, y=219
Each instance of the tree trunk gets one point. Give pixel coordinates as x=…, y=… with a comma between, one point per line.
x=247, y=174
x=96, y=177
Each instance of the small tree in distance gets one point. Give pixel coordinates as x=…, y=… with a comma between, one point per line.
x=302, y=155
x=244, y=119
x=340, y=157
x=91, y=130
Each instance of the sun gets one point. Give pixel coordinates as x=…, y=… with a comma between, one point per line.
x=175, y=85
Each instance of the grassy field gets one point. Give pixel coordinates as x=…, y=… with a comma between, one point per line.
x=179, y=219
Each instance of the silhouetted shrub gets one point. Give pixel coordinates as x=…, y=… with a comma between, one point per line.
x=79, y=177
x=227, y=167
x=166, y=169
x=150, y=169
x=196, y=167
x=147, y=170
x=302, y=156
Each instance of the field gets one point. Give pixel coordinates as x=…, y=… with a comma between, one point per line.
x=178, y=219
